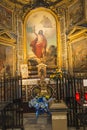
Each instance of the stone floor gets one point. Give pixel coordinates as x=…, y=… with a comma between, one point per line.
x=42, y=123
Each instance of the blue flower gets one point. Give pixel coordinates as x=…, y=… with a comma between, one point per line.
x=40, y=104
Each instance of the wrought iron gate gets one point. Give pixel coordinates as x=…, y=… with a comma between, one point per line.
x=67, y=88
x=11, y=110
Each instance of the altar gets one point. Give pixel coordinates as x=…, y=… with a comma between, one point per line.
x=41, y=84
x=31, y=87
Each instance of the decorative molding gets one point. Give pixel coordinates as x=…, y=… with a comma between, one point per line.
x=77, y=32
x=63, y=44
x=58, y=7
x=8, y=37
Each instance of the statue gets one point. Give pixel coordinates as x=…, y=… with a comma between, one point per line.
x=42, y=71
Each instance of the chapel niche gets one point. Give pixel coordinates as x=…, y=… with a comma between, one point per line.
x=41, y=38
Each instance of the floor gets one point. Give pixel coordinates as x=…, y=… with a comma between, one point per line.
x=42, y=123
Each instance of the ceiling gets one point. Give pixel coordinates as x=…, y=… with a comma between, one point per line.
x=24, y=2
x=23, y=6
x=31, y=4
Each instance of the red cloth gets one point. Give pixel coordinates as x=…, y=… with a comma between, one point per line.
x=39, y=45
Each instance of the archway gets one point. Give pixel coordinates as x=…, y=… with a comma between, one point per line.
x=42, y=19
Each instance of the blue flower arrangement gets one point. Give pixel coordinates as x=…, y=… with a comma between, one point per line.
x=40, y=104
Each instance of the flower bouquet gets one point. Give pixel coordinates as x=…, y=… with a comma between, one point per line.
x=40, y=104
x=57, y=74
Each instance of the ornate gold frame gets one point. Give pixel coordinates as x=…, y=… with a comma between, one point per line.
x=58, y=34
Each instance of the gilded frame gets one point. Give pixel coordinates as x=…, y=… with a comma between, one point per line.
x=58, y=43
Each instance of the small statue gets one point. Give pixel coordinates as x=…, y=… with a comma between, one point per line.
x=42, y=71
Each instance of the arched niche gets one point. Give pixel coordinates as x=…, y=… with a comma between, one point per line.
x=45, y=20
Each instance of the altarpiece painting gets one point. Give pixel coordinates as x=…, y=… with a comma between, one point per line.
x=41, y=38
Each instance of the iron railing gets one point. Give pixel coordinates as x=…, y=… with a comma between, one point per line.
x=11, y=97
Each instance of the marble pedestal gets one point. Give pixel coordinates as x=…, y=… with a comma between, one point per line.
x=59, y=116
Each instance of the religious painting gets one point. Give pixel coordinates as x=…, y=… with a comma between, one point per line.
x=6, y=60
x=75, y=13
x=79, y=51
x=5, y=17
x=41, y=38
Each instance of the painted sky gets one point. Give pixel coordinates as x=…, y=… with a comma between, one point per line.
x=41, y=20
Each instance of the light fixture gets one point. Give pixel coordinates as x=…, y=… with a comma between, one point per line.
x=85, y=96
x=77, y=96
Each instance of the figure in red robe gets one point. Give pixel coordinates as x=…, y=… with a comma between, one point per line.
x=39, y=45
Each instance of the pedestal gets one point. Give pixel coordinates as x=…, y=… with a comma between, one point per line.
x=59, y=116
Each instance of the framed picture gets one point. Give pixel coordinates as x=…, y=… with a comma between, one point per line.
x=79, y=54
x=75, y=13
x=41, y=38
x=7, y=60
x=5, y=17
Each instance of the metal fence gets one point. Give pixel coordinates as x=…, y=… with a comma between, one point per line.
x=10, y=88
x=11, y=91
x=67, y=88
x=11, y=109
